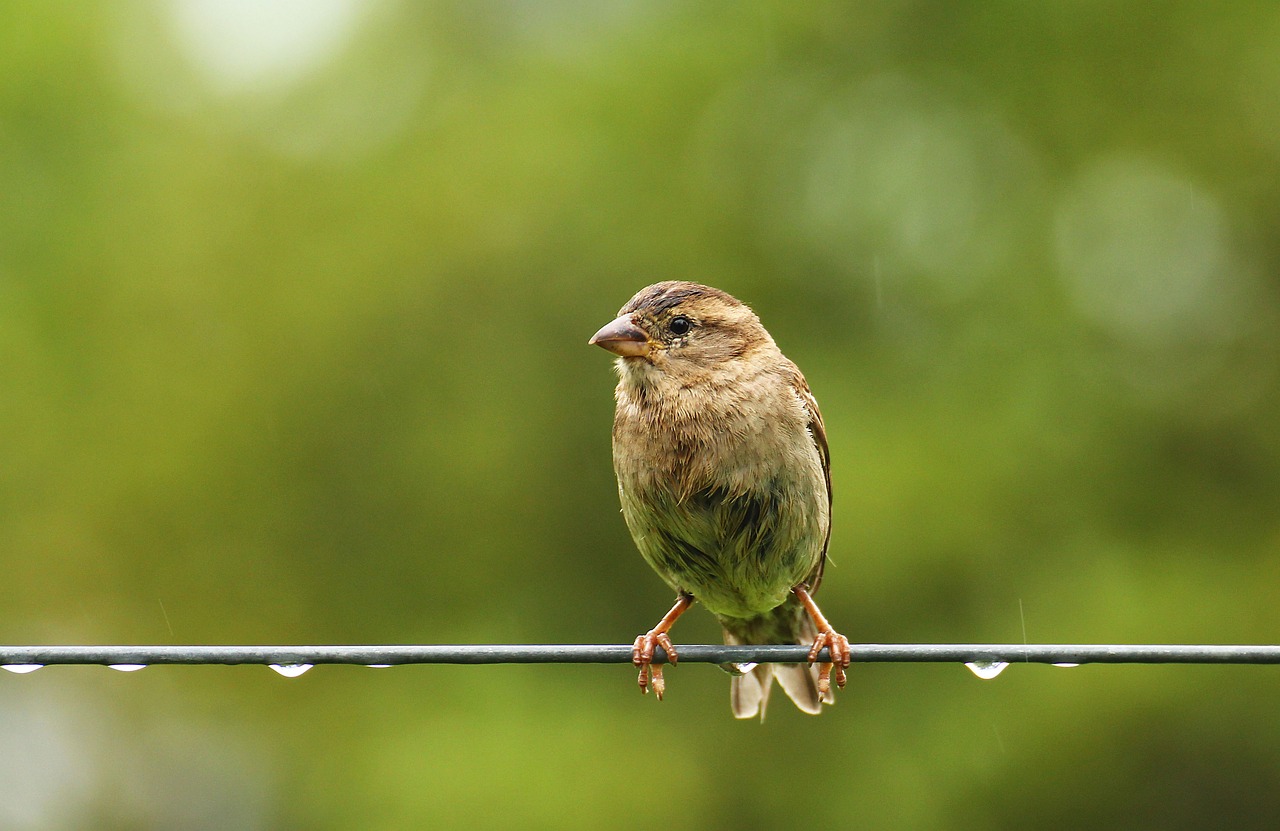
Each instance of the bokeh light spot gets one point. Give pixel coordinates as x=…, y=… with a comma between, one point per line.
x=242, y=45
x=1143, y=252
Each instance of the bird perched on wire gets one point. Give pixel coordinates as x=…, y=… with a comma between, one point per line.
x=724, y=476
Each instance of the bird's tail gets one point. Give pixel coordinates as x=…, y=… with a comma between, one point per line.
x=749, y=692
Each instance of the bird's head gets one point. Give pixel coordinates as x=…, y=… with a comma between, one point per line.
x=682, y=329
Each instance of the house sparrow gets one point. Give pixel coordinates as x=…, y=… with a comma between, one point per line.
x=724, y=476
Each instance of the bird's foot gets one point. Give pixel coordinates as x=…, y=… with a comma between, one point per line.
x=642, y=651
x=827, y=638
x=839, y=646
x=642, y=657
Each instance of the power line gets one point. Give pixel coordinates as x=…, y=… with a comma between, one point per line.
x=33, y=656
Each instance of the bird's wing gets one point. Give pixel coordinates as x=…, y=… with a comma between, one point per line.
x=819, y=435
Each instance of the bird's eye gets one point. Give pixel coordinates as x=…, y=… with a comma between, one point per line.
x=680, y=325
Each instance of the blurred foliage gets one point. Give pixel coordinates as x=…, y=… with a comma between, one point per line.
x=294, y=301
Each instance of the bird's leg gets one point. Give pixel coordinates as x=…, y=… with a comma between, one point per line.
x=642, y=651
x=828, y=637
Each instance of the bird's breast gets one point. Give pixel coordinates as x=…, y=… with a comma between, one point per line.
x=728, y=504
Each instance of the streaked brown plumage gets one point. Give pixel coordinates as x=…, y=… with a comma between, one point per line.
x=724, y=477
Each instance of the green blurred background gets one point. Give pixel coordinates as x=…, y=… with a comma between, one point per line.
x=294, y=301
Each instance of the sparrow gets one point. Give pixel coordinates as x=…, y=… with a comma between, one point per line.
x=724, y=477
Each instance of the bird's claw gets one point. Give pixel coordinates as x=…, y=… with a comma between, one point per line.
x=839, y=646
x=642, y=658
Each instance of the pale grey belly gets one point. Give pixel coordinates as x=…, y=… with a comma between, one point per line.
x=738, y=555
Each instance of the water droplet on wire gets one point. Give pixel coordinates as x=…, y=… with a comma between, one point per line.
x=378, y=666
x=1066, y=664
x=986, y=670
x=738, y=668
x=21, y=669
x=290, y=670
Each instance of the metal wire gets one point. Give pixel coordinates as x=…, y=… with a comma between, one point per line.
x=29, y=656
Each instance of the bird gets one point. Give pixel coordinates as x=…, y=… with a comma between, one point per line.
x=724, y=476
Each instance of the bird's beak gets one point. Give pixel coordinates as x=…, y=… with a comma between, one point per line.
x=622, y=337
